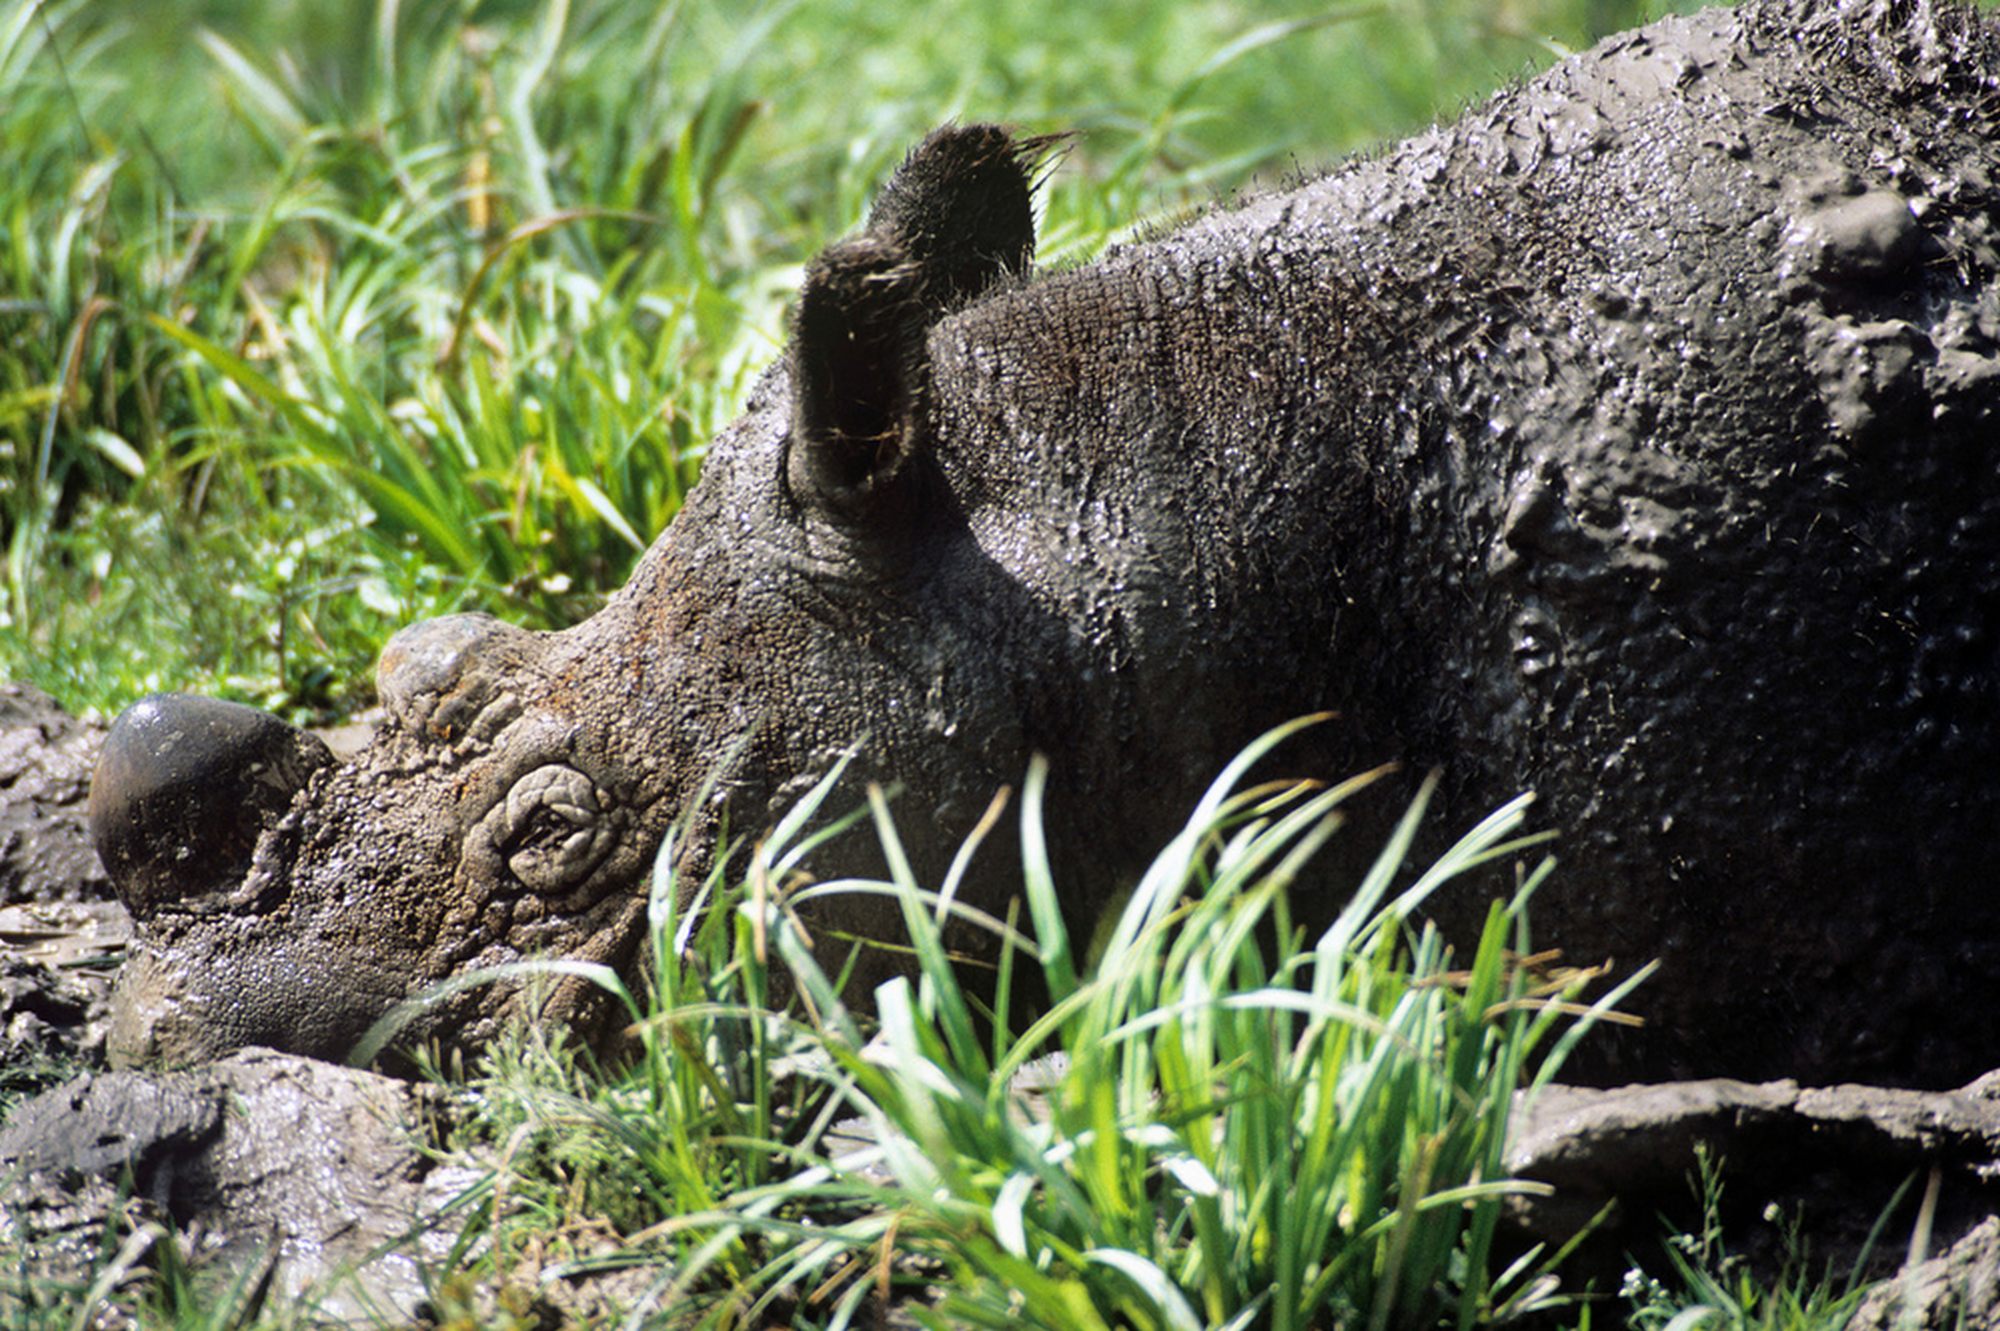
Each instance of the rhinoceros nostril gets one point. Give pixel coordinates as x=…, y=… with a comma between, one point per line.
x=182, y=790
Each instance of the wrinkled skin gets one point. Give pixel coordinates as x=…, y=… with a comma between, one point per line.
x=1632, y=441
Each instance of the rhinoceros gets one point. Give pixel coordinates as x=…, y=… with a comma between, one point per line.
x=1634, y=440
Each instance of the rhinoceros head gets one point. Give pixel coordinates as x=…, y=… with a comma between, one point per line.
x=513, y=802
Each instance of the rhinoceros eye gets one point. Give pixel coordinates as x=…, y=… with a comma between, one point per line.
x=552, y=828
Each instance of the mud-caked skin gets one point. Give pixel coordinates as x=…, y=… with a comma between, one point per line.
x=1635, y=440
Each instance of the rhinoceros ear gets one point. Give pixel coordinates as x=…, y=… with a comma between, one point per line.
x=962, y=207
x=857, y=376
x=956, y=218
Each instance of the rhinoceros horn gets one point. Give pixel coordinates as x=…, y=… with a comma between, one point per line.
x=184, y=788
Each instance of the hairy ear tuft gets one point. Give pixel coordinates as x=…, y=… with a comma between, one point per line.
x=962, y=207
x=857, y=374
x=955, y=219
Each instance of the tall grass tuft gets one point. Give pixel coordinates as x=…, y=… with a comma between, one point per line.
x=1219, y=1123
x=1235, y=1132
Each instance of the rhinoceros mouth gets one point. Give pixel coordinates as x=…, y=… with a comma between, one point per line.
x=252, y=985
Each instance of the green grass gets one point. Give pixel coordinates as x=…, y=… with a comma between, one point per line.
x=312, y=326
x=1234, y=1133
x=1705, y=1287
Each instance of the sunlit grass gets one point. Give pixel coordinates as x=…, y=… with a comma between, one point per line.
x=1223, y=1122
x=317, y=320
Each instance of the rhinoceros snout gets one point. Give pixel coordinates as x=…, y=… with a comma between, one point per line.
x=183, y=788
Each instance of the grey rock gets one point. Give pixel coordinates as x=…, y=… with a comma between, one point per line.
x=1845, y=1168
x=56, y=965
x=264, y=1157
x=46, y=757
x=1956, y=1291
